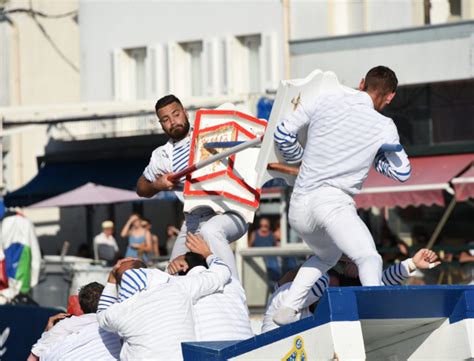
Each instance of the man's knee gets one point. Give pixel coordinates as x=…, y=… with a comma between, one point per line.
x=372, y=257
x=326, y=263
x=210, y=233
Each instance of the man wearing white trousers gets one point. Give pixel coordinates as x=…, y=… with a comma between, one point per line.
x=217, y=229
x=345, y=133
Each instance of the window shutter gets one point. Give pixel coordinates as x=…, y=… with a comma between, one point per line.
x=157, y=71
x=211, y=66
x=118, y=74
x=269, y=62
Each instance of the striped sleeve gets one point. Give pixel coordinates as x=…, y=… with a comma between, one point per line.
x=133, y=281
x=394, y=165
x=317, y=290
x=288, y=145
x=108, y=297
x=397, y=273
x=286, y=133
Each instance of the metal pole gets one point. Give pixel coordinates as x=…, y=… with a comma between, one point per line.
x=442, y=223
x=227, y=153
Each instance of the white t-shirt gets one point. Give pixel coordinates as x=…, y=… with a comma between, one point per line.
x=345, y=133
x=77, y=338
x=222, y=316
x=103, y=239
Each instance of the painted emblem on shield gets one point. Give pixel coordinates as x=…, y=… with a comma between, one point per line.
x=297, y=353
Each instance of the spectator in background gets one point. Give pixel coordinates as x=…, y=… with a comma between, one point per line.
x=277, y=234
x=105, y=245
x=155, y=243
x=171, y=234
x=264, y=237
x=139, y=239
x=397, y=250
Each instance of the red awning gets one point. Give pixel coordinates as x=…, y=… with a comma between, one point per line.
x=464, y=185
x=429, y=179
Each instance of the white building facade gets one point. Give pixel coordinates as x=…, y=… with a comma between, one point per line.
x=147, y=49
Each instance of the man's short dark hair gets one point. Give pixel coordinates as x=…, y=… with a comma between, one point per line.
x=89, y=297
x=381, y=79
x=135, y=264
x=167, y=100
x=193, y=260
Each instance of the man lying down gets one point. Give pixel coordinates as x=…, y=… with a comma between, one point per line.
x=393, y=275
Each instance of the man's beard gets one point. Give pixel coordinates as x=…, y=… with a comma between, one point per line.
x=179, y=132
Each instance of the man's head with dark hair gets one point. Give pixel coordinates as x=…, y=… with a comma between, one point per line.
x=89, y=297
x=125, y=266
x=380, y=83
x=173, y=117
x=193, y=260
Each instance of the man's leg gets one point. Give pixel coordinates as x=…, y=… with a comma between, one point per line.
x=190, y=224
x=305, y=221
x=311, y=271
x=219, y=231
x=353, y=238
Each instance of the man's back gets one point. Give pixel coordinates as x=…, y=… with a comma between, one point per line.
x=344, y=135
x=154, y=322
x=78, y=338
x=223, y=315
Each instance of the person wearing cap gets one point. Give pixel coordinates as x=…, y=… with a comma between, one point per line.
x=105, y=245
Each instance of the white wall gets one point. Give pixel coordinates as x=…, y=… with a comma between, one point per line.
x=417, y=56
x=309, y=19
x=39, y=73
x=32, y=71
x=322, y=18
x=107, y=25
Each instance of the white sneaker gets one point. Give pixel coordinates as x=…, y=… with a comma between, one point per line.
x=285, y=315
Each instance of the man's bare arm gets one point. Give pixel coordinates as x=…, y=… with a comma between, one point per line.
x=145, y=188
x=148, y=189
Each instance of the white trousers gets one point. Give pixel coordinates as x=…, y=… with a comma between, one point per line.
x=327, y=220
x=219, y=230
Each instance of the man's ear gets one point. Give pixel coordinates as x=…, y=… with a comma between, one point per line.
x=362, y=84
x=390, y=97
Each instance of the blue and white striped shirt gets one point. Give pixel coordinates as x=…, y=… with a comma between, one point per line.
x=344, y=135
x=171, y=157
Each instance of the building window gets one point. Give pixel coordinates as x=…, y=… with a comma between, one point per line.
x=129, y=74
x=455, y=8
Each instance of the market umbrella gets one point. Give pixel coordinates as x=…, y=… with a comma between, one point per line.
x=88, y=194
